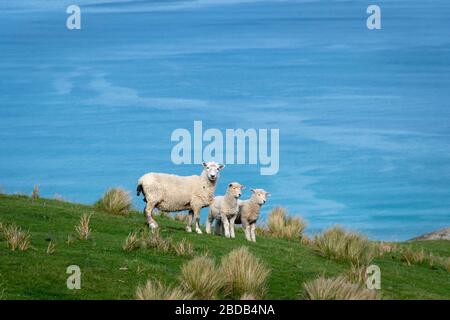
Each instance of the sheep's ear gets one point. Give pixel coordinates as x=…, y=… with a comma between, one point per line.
x=204, y=164
x=221, y=166
x=252, y=190
x=268, y=194
x=242, y=187
x=230, y=185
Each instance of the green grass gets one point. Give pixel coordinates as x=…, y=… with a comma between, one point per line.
x=109, y=272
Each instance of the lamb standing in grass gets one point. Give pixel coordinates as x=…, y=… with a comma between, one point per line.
x=249, y=212
x=225, y=209
x=172, y=193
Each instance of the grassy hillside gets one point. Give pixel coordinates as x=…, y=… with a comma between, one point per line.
x=108, y=272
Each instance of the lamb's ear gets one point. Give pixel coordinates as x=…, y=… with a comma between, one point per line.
x=242, y=187
x=252, y=190
x=204, y=164
x=230, y=185
x=268, y=194
x=221, y=166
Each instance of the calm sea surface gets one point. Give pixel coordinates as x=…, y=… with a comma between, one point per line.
x=364, y=116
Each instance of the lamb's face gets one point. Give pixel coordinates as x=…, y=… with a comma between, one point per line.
x=212, y=170
x=235, y=189
x=260, y=195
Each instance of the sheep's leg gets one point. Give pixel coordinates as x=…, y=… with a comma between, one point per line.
x=226, y=225
x=148, y=214
x=253, y=232
x=246, y=227
x=197, y=221
x=232, y=235
x=209, y=221
x=189, y=221
x=218, y=227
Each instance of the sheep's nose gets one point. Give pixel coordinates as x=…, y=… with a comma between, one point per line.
x=264, y=201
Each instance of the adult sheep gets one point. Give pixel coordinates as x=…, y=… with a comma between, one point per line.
x=171, y=193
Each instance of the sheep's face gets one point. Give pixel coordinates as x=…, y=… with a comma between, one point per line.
x=260, y=195
x=235, y=189
x=212, y=170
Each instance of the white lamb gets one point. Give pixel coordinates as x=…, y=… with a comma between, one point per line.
x=224, y=210
x=172, y=193
x=249, y=212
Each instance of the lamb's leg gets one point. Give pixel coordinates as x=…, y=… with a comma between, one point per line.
x=232, y=227
x=218, y=227
x=246, y=227
x=226, y=225
x=253, y=232
x=197, y=220
x=148, y=214
x=209, y=221
x=189, y=221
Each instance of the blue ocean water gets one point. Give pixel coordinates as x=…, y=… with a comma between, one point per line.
x=363, y=114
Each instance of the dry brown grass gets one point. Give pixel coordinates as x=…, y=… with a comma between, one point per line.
x=116, y=201
x=338, y=244
x=201, y=277
x=281, y=225
x=51, y=248
x=155, y=290
x=337, y=289
x=356, y=274
x=35, y=193
x=131, y=242
x=244, y=273
x=83, y=229
x=419, y=256
x=180, y=217
x=248, y=296
x=183, y=248
x=155, y=241
x=413, y=256
x=70, y=239
x=15, y=237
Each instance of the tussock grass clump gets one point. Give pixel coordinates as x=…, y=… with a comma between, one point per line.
x=421, y=257
x=244, y=273
x=155, y=290
x=281, y=225
x=35, y=193
x=248, y=296
x=338, y=244
x=155, y=241
x=201, y=277
x=83, y=229
x=15, y=237
x=131, y=242
x=51, y=248
x=180, y=217
x=70, y=239
x=183, y=248
x=116, y=201
x=336, y=289
x=412, y=256
x=356, y=274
